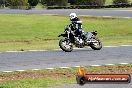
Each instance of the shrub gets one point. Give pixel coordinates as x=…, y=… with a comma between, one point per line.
x=120, y=1
x=15, y=4
x=72, y=2
x=90, y=2
x=33, y=2
x=96, y=2
x=56, y=2
x=2, y=2
x=43, y=2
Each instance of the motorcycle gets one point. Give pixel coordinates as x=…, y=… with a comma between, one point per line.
x=86, y=39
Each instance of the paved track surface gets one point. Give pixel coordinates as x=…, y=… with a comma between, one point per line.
x=11, y=61
x=121, y=13
x=97, y=86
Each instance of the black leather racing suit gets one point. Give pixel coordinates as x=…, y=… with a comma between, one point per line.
x=76, y=26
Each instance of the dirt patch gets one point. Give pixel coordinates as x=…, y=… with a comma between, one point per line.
x=116, y=71
x=31, y=75
x=71, y=73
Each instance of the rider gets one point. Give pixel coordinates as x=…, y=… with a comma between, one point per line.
x=76, y=24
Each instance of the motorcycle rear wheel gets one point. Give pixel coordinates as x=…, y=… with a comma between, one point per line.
x=65, y=45
x=97, y=45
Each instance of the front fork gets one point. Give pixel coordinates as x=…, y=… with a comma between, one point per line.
x=68, y=38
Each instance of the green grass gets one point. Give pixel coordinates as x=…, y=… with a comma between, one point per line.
x=37, y=83
x=29, y=27
x=26, y=32
x=56, y=77
x=109, y=2
x=117, y=8
x=39, y=7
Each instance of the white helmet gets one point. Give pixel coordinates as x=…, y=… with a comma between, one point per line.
x=73, y=15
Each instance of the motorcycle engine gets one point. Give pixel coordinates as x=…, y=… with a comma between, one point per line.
x=79, y=42
x=88, y=36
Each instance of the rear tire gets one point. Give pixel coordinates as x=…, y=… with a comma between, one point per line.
x=96, y=46
x=65, y=47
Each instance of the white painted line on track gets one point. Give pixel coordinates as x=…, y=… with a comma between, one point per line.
x=123, y=63
x=60, y=49
x=106, y=16
x=49, y=14
x=111, y=46
x=36, y=69
x=37, y=50
x=20, y=70
x=127, y=17
x=50, y=68
x=123, y=10
x=85, y=15
x=57, y=49
x=76, y=66
x=7, y=71
x=125, y=45
x=95, y=65
x=64, y=67
x=12, y=51
x=109, y=64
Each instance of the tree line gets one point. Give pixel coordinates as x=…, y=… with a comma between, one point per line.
x=30, y=3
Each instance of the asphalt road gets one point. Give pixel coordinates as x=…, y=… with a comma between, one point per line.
x=12, y=61
x=97, y=86
x=120, y=13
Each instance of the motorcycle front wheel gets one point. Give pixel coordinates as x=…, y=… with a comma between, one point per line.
x=65, y=45
x=96, y=45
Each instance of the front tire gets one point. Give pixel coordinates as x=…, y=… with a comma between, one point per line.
x=65, y=45
x=96, y=45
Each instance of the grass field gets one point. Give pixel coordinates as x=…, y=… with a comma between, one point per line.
x=37, y=83
x=56, y=77
x=109, y=2
x=27, y=32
